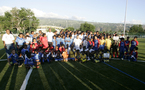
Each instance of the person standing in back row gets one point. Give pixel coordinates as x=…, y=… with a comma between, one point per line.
x=8, y=41
x=50, y=36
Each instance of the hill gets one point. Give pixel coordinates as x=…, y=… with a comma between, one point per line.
x=76, y=24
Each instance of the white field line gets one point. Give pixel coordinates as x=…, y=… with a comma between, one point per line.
x=25, y=82
x=126, y=59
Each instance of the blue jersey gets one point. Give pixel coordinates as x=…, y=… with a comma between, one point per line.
x=58, y=41
x=20, y=41
x=13, y=57
x=62, y=41
x=40, y=55
x=29, y=61
x=71, y=41
x=96, y=42
x=36, y=56
x=54, y=42
x=67, y=39
x=31, y=35
x=24, y=50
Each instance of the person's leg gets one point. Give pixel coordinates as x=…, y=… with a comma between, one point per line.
x=8, y=50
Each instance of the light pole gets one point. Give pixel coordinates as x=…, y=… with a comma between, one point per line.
x=125, y=17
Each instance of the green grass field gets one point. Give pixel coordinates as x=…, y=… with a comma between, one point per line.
x=74, y=75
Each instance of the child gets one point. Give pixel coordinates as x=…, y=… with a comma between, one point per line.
x=54, y=41
x=51, y=55
x=134, y=43
x=20, y=60
x=56, y=49
x=47, y=51
x=36, y=59
x=102, y=43
x=13, y=58
x=134, y=54
x=61, y=49
x=127, y=42
x=24, y=50
x=97, y=57
x=62, y=40
x=96, y=42
x=29, y=61
x=33, y=48
x=77, y=55
x=67, y=40
x=114, y=47
x=83, y=57
x=65, y=55
x=58, y=40
x=71, y=40
x=71, y=54
x=85, y=42
x=108, y=43
x=58, y=56
x=45, y=57
x=121, y=48
x=106, y=56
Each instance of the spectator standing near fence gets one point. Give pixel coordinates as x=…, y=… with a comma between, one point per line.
x=8, y=41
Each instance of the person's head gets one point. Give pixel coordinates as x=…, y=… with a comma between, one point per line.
x=32, y=32
x=13, y=51
x=92, y=39
x=70, y=36
x=63, y=36
x=67, y=35
x=78, y=51
x=128, y=38
x=44, y=35
x=135, y=38
x=84, y=47
x=29, y=55
x=65, y=49
x=83, y=52
x=21, y=35
x=36, y=52
x=77, y=36
x=25, y=46
x=8, y=31
x=96, y=38
x=40, y=31
x=56, y=47
x=54, y=37
x=102, y=37
x=62, y=45
x=52, y=51
x=19, y=54
x=33, y=45
x=49, y=29
x=27, y=33
x=48, y=49
x=122, y=39
x=34, y=40
x=108, y=36
x=135, y=48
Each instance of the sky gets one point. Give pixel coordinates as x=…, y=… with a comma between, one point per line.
x=106, y=11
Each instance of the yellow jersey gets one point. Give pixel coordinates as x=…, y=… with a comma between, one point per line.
x=102, y=42
x=108, y=43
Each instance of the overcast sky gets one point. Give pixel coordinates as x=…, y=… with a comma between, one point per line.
x=111, y=11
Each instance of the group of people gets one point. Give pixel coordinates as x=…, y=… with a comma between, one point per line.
x=36, y=48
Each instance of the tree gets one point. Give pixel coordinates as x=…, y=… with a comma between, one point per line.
x=87, y=27
x=136, y=29
x=19, y=19
x=70, y=28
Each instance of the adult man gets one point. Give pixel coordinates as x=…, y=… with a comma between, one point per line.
x=8, y=41
x=49, y=36
x=77, y=42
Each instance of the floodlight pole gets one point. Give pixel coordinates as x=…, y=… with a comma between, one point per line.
x=125, y=17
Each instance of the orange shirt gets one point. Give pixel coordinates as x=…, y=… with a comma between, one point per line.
x=65, y=55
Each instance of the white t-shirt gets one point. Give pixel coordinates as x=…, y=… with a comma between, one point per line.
x=85, y=43
x=8, y=38
x=77, y=43
x=81, y=37
x=49, y=36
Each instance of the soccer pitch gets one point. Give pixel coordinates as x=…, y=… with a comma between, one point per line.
x=120, y=75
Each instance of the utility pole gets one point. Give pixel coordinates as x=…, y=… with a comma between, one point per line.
x=125, y=17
